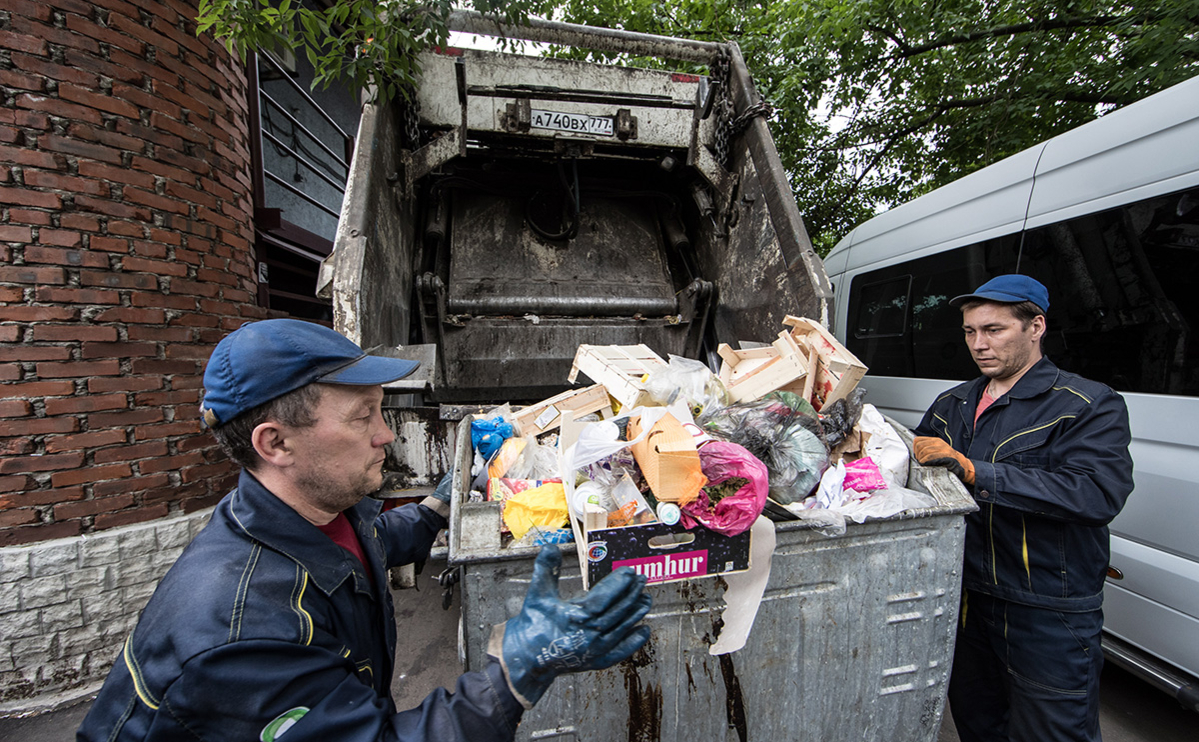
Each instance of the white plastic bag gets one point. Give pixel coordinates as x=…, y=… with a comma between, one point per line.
x=831, y=492
x=884, y=447
x=885, y=503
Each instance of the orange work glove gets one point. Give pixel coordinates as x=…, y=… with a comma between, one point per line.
x=932, y=451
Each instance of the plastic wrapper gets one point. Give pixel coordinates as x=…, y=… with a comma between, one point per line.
x=863, y=476
x=885, y=446
x=688, y=381
x=885, y=504
x=536, y=461
x=509, y=452
x=779, y=430
x=735, y=512
x=543, y=507
x=839, y=417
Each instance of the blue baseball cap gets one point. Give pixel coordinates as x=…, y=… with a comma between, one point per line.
x=262, y=360
x=1008, y=289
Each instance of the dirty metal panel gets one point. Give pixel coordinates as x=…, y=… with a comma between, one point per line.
x=657, y=127
x=499, y=266
x=438, y=92
x=423, y=449
x=853, y=639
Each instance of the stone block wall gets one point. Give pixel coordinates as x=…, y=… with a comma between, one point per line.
x=67, y=605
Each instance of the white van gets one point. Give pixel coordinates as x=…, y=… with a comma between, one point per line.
x=1106, y=216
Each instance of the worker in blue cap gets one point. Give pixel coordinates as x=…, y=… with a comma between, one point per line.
x=1045, y=454
x=276, y=622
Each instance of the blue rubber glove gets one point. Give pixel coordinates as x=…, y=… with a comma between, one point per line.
x=588, y=632
x=442, y=492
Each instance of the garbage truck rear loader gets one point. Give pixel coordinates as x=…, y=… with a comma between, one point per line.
x=520, y=206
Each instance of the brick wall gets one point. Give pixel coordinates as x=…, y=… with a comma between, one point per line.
x=125, y=254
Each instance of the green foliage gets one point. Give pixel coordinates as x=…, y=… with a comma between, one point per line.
x=879, y=101
x=359, y=43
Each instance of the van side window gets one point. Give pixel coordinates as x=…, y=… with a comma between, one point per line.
x=1124, y=307
x=884, y=308
x=1131, y=312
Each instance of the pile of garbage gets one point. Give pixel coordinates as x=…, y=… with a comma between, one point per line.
x=781, y=431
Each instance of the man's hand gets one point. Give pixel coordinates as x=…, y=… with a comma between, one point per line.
x=551, y=636
x=442, y=492
x=932, y=451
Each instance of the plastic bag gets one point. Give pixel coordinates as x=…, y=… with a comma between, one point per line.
x=839, y=417
x=536, y=461
x=489, y=432
x=863, y=476
x=886, y=503
x=689, y=381
x=885, y=447
x=736, y=512
x=832, y=488
x=778, y=431
x=543, y=506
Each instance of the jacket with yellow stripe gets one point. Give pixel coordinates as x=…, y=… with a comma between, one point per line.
x=1052, y=469
x=265, y=628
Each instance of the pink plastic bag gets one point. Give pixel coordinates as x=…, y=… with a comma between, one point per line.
x=863, y=475
x=736, y=512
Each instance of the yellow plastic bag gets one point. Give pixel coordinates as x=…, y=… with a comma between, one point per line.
x=544, y=507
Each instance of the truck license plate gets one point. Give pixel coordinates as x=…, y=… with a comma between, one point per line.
x=573, y=122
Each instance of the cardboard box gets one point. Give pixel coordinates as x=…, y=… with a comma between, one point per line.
x=665, y=553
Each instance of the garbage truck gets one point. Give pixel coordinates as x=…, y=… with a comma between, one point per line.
x=514, y=207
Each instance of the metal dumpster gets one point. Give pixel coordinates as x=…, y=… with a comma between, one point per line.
x=853, y=639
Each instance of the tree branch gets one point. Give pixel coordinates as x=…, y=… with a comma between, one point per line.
x=1052, y=24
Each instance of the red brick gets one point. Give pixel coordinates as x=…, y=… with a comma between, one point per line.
x=133, y=28
x=31, y=44
x=58, y=107
x=197, y=165
x=99, y=135
x=180, y=427
x=162, y=300
x=13, y=233
x=131, y=453
x=166, y=123
x=157, y=267
x=122, y=175
x=55, y=35
x=80, y=441
x=16, y=446
x=161, y=334
x=32, y=389
x=54, y=462
x=88, y=27
x=131, y=315
x=118, y=350
x=29, y=216
x=24, y=197
x=19, y=517
x=124, y=384
x=11, y=294
x=77, y=296
x=91, y=507
x=56, y=256
x=15, y=408
x=89, y=403
x=59, y=237
x=160, y=139
x=80, y=221
x=20, y=81
x=72, y=146
x=78, y=369
x=174, y=397
x=127, y=517
x=43, y=532
x=148, y=165
x=32, y=274
x=69, y=333
x=30, y=119
x=37, y=11
x=108, y=244
x=126, y=229
x=90, y=474
x=194, y=352
x=57, y=181
x=203, y=442
x=31, y=158
x=155, y=201
x=9, y=371
x=37, y=353
x=194, y=288
x=42, y=497
x=123, y=419
x=115, y=280
x=113, y=208
x=62, y=73
x=44, y=425
x=201, y=473
x=37, y=313
x=130, y=484
x=199, y=503
x=193, y=195
x=152, y=250
x=14, y=483
x=9, y=333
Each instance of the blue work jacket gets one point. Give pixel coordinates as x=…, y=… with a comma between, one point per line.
x=1051, y=470
x=265, y=628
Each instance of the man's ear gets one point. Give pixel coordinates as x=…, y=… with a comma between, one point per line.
x=1038, y=326
x=270, y=441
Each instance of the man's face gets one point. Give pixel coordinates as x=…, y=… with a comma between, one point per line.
x=339, y=460
x=999, y=342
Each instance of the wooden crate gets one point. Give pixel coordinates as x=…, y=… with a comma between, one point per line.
x=752, y=373
x=621, y=369
x=547, y=414
x=837, y=370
